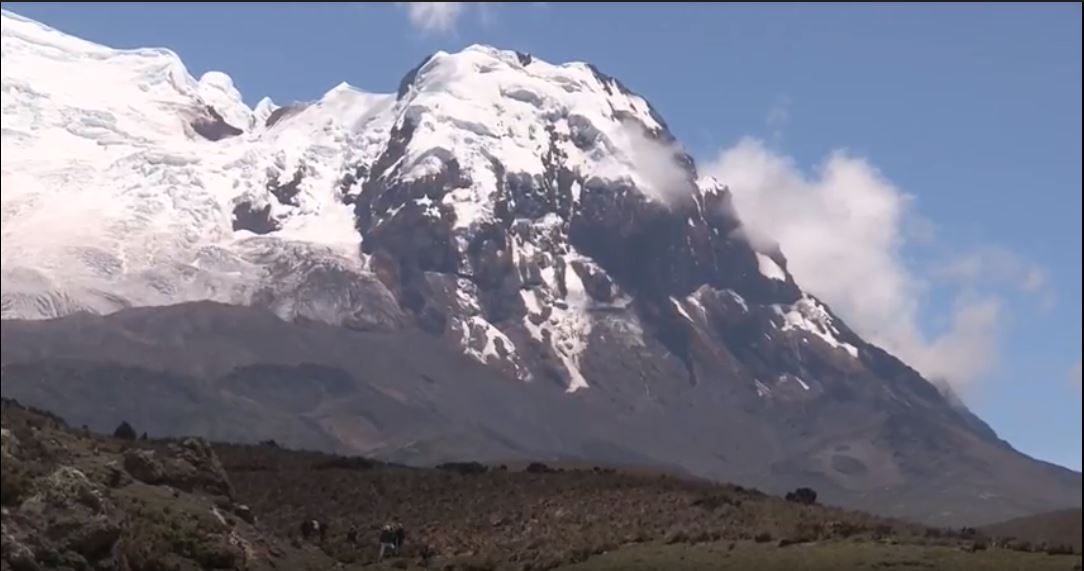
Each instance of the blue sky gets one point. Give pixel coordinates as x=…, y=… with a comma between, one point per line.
x=966, y=120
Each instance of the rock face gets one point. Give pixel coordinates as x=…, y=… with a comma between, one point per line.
x=191, y=466
x=539, y=219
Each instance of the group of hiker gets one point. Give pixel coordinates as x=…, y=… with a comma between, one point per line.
x=391, y=538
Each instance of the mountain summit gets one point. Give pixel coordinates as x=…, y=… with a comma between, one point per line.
x=538, y=219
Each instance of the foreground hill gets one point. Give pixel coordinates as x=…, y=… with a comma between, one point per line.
x=74, y=501
x=77, y=500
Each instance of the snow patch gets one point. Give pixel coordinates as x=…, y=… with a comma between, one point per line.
x=807, y=314
x=479, y=339
x=738, y=299
x=568, y=325
x=262, y=112
x=794, y=378
x=98, y=149
x=466, y=294
x=681, y=309
x=770, y=269
x=217, y=90
x=694, y=299
x=490, y=335
x=762, y=389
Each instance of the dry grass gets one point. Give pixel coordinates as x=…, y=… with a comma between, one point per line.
x=825, y=556
x=523, y=519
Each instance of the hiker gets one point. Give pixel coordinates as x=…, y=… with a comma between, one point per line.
x=400, y=536
x=309, y=528
x=352, y=536
x=388, y=542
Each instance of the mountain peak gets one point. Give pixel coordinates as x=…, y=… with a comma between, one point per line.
x=539, y=219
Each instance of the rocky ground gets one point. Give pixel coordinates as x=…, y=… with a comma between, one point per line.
x=77, y=500
x=74, y=500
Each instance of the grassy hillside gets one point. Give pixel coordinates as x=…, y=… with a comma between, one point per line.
x=493, y=518
x=1058, y=528
x=826, y=556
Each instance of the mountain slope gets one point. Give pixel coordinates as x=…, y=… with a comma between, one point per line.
x=539, y=219
x=242, y=374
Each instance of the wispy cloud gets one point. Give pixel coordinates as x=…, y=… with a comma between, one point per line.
x=844, y=229
x=994, y=263
x=778, y=117
x=1075, y=374
x=657, y=162
x=434, y=17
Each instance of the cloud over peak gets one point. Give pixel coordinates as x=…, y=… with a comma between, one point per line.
x=434, y=17
x=844, y=228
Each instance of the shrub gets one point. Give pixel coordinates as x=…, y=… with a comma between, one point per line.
x=465, y=468
x=124, y=431
x=13, y=485
x=345, y=463
x=539, y=468
x=975, y=546
x=1059, y=550
x=713, y=502
x=843, y=529
x=804, y=496
x=676, y=536
x=882, y=531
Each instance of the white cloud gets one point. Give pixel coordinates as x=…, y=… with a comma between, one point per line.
x=434, y=17
x=1075, y=375
x=844, y=228
x=657, y=162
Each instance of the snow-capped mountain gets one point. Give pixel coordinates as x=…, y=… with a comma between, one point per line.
x=539, y=218
x=129, y=182
x=121, y=174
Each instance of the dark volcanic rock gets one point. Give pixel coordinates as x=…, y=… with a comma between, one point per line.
x=286, y=192
x=408, y=80
x=282, y=113
x=213, y=127
x=255, y=220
